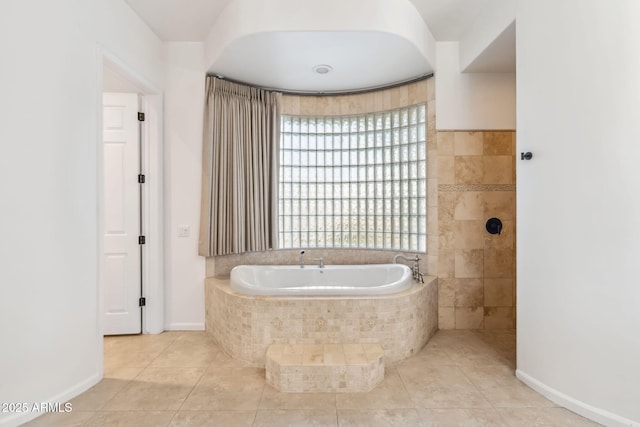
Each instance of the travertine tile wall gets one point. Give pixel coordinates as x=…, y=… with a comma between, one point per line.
x=476, y=270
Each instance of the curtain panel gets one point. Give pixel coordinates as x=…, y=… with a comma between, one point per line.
x=240, y=169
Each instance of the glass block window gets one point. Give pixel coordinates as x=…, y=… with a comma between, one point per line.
x=354, y=181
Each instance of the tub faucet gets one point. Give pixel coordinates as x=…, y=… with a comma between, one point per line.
x=320, y=262
x=301, y=259
x=415, y=269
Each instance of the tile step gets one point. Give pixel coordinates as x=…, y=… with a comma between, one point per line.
x=327, y=368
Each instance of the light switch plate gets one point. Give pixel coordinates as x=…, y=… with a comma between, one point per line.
x=184, y=231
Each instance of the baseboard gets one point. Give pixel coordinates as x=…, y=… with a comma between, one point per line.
x=185, y=327
x=17, y=419
x=593, y=413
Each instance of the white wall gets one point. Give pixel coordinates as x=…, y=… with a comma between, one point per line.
x=494, y=19
x=472, y=101
x=49, y=80
x=579, y=204
x=184, y=101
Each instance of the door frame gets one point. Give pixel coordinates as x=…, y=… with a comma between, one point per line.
x=152, y=199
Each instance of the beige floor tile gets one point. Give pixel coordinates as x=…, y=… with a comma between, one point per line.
x=491, y=376
x=274, y=399
x=213, y=418
x=129, y=359
x=449, y=396
x=55, y=419
x=156, y=389
x=187, y=377
x=187, y=354
x=415, y=380
x=121, y=373
x=205, y=399
x=543, y=417
x=477, y=353
x=457, y=379
x=442, y=387
x=517, y=396
x=97, y=396
x=296, y=417
x=449, y=340
x=501, y=387
x=131, y=419
x=240, y=379
x=431, y=355
x=390, y=394
x=194, y=337
x=461, y=417
x=139, y=343
x=379, y=417
x=147, y=396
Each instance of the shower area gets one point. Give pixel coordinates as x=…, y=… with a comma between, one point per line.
x=476, y=263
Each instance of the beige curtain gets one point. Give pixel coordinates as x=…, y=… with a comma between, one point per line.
x=240, y=169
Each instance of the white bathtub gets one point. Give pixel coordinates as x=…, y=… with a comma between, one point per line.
x=331, y=280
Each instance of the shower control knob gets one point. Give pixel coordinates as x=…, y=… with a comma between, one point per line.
x=526, y=156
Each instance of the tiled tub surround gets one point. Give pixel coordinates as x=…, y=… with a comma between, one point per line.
x=245, y=326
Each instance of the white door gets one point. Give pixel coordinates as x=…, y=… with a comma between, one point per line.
x=122, y=252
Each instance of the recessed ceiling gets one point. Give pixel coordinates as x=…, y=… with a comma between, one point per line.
x=361, y=56
x=287, y=60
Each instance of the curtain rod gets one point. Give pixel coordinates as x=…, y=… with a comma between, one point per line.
x=328, y=93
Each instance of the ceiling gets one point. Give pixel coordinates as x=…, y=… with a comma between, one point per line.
x=360, y=59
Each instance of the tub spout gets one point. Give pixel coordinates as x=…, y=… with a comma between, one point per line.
x=395, y=258
x=301, y=259
x=415, y=269
x=320, y=262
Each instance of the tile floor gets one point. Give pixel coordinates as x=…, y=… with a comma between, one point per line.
x=461, y=378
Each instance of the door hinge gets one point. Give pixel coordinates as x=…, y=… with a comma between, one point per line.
x=141, y=179
x=141, y=117
x=141, y=240
x=142, y=301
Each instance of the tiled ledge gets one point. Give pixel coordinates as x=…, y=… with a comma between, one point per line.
x=318, y=368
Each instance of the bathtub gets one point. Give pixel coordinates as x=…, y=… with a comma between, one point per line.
x=331, y=280
x=244, y=326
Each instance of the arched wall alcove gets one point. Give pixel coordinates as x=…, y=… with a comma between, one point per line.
x=391, y=40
